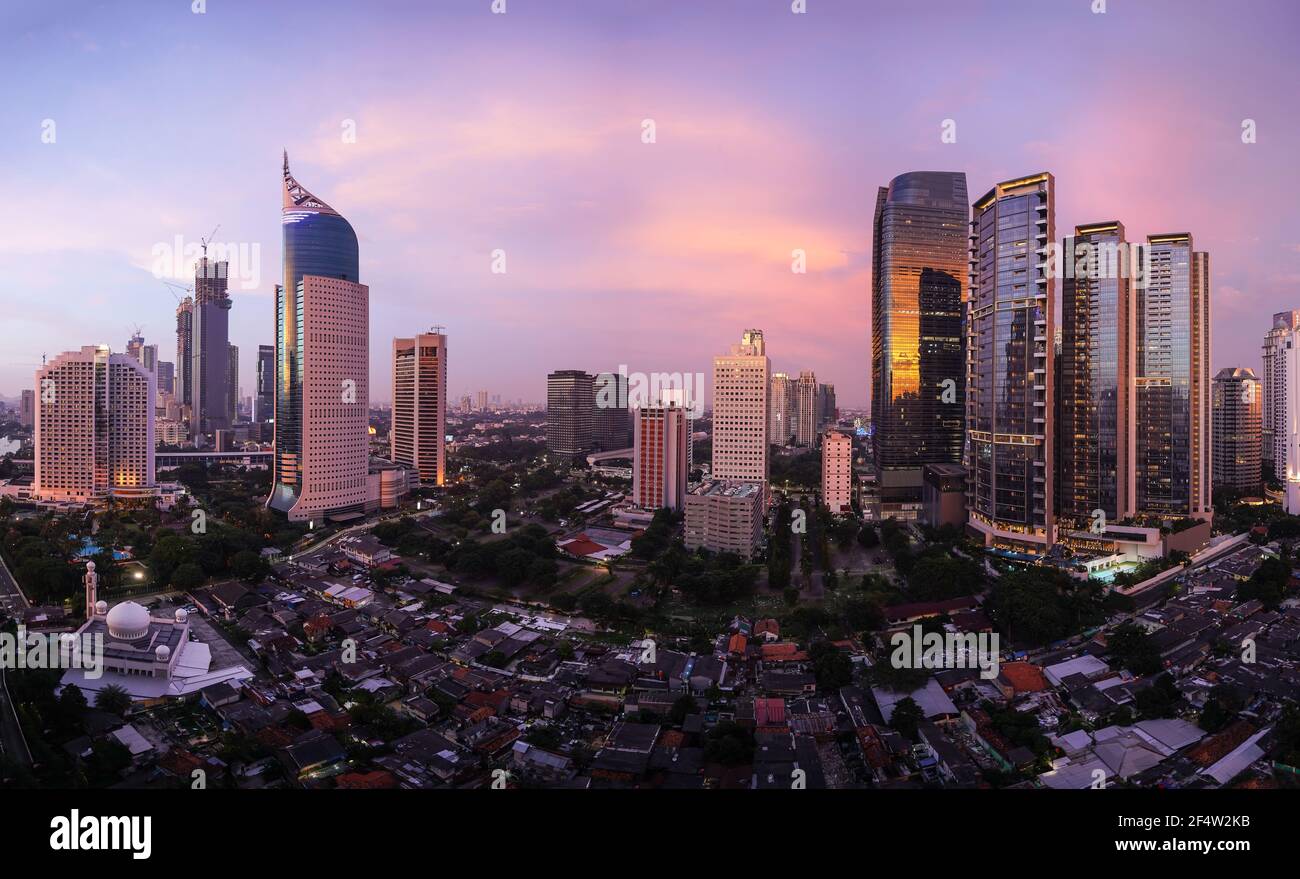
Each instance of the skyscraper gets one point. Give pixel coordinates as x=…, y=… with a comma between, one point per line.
x=1235, y=404
x=781, y=411
x=740, y=411
x=837, y=471
x=611, y=420
x=184, y=388
x=322, y=329
x=570, y=409
x=659, y=456
x=826, y=409
x=1274, y=379
x=264, y=401
x=918, y=283
x=1096, y=431
x=806, y=408
x=232, y=385
x=166, y=377
x=417, y=438
x=1173, y=379
x=94, y=427
x=209, y=372
x=1009, y=378
x=27, y=408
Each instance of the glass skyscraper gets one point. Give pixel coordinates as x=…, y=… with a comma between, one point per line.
x=1009, y=380
x=1173, y=379
x=918, y=284
x=1095, y=432
x=321, y=363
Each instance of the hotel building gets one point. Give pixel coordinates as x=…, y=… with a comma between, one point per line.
x=1273, y=377
x=660, y=460
x=1236, y=402
x=740, y=411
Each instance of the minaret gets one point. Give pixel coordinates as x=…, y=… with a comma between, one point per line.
x=91, y=580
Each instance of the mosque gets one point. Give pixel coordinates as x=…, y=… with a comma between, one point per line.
x=150, y=657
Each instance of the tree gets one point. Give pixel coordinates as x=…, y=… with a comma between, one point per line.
x=1134, y=649
x=114, y=699
x=684, y=705
x=907, y=717
x=188, y=576
x=833, y=668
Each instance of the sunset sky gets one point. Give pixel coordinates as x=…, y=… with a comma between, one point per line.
x=523, y=132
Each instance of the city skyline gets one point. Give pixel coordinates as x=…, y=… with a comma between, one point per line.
x=743, y=171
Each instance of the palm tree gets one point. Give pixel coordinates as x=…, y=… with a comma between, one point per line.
x=113, y=699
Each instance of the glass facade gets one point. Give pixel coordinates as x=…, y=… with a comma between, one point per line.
x=1095, y=388
x=1009, y=325
x=919, y=270
x=1173, y=382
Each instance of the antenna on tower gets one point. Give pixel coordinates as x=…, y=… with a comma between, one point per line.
x=437, y=328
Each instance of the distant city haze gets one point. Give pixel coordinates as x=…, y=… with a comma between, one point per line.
x=522, y=134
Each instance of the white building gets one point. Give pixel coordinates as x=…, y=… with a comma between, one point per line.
x=837, y=471
x=94, y=427
x=740, y=411
x=1273, y=376
x=417, y=438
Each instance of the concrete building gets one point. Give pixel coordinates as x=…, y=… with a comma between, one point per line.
x=1274, y=379
x=740, y=411
x=417, y=438
x=1096, y=428
x=827, y=412
x=27, y=408
x=660, y=456
x=209, y=373
x=1235, y=405
x=781, y=410
x=1174, y=457
x=184, y=388
x=1010, y=323
x=570, y=410
x=943, y=495
x=1286, y=398
x=322, y=392
x=94, y=427
x=837, y=471
x=725, y=517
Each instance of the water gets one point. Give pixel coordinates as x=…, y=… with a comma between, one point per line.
x=8, y=446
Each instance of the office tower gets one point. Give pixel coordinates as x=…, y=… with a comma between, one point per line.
x=135, y=346
x=1286, y=415
x=740, y=412
x=611, y=420
x=322, y=331
x=918, y=290
x=94, y=427
x=209, y=372
x=1173, y=379
x=1274, y=379
x=805, y=418
x=232, y=384
x=659, y=456
x=417, y=438
x=27, y=408
x=570, y=408
x=166, y=377
x=1236, y=405
x=781, y=411
x=1009, y=379
x=482, y=401
x=1095, y=387
x=827, y=412
x=184, y=389
x=264, y=402
x=837, y=471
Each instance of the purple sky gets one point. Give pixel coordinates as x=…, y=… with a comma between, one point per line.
x=522, y=132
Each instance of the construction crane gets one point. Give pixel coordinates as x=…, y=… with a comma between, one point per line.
x=206, y=241
x=172, y=287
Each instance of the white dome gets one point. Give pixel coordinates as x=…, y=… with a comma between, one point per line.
x=181, y=615
x=90, y=566
x=163, y=652
x=128, y=621
x=101, y=607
